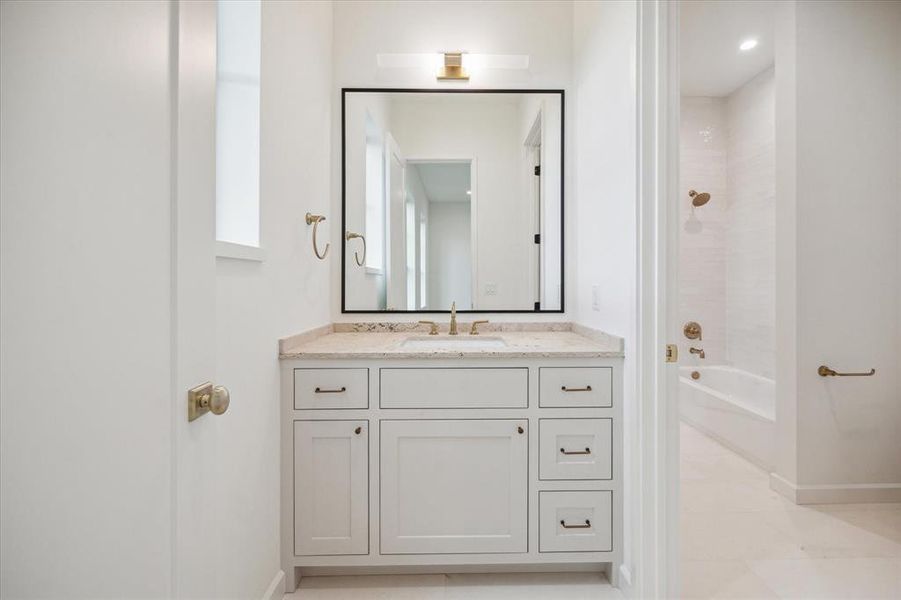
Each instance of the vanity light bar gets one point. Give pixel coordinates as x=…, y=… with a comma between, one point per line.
x=437, y=61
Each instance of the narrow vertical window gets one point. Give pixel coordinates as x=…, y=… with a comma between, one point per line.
x=238, y=122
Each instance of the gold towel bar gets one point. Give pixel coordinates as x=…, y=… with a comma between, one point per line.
x=825, y=371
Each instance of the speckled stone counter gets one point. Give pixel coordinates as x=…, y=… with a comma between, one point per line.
x=387, y=340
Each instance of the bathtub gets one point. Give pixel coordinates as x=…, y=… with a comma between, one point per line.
x=735, y=407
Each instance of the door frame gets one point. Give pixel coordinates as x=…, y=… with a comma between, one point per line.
x=657, y=429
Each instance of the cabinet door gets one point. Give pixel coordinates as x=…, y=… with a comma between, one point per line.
x=454, y=486
x=331, y=503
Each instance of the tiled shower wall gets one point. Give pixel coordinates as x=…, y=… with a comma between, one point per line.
x=751, y=226
x=727, y=253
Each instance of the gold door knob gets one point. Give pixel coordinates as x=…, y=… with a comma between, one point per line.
x=207, y=398
x=220, y=400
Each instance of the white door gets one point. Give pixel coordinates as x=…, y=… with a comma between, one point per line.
x=395, y=242
x=454, y=486
x=331, y=479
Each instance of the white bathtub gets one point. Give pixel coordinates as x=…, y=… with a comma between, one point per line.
x=733, y=406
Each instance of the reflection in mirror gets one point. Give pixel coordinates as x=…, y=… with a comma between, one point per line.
x=458, y=197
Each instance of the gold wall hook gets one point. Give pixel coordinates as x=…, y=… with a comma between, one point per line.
x=350, y=235
x=314, y=220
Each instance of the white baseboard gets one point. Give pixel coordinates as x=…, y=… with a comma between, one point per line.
x=276, y=588
x=836, y=493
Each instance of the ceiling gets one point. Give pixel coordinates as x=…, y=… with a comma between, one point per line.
x=711, y=30
x=444, y=182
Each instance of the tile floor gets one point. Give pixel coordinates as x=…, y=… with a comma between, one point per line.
x=742, y=540
x=739, y=540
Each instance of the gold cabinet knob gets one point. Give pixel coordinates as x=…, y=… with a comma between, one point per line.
x=220, y=400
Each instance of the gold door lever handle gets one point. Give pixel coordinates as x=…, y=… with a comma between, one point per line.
x=825, y=371
x=585, y=526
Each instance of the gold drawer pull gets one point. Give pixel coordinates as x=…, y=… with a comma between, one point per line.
x=587, y=388
x=564, y=451
x=322, y=391
x=585, y=526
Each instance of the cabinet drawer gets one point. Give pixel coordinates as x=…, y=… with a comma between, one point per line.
x=331, y=388
x=454, y=388
x=331, y=479
x=575, y=387
x=575, y=448
x=575, y=521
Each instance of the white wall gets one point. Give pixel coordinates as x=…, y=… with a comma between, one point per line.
x=85, y=411
x=449, y=254
x=259, y=302
x=837, y=111
x=702, y=230
x=750, y=235
x=604, y=39
x=363, y=29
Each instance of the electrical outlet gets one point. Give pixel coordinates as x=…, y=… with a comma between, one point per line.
x=595, y=298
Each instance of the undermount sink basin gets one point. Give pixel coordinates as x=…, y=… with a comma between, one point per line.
x=460, y=342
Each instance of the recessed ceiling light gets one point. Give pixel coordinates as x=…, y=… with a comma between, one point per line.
x=748, y=44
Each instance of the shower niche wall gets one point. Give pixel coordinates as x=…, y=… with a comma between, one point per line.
x=727, y=265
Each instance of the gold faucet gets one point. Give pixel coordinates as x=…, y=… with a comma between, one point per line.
x=475, y=327
x=453, y=323
x=698, y=351
x=433, y=327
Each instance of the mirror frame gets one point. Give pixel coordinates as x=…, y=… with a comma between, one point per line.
x=559, y=92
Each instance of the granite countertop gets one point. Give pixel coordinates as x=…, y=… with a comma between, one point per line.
x=384, y=341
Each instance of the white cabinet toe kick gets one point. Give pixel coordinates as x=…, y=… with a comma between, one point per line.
x=451, y=465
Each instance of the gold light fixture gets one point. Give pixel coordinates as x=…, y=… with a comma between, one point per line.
x=453, y=68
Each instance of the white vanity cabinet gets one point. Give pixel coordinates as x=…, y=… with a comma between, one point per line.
x=444, y=464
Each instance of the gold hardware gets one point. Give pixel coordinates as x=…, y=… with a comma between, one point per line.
x=350, y=235
x=672, y=353
x=322, y=391
x=453, y=68
x=207, y=398
x=433, y=327
x=358, y=430
x=520, y=429
x=587, y=388
x=698, y=351
x=825, y=371
x=568, y=452
x=474, y=330
x=692, y=330
x=585, y=526
x=314, y=220
x=453, y=322
x=695, y=375
x=698, y=199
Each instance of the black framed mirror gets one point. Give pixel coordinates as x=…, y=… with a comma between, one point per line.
x=452, y=196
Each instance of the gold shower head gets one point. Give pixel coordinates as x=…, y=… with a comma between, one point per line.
x=698, y=199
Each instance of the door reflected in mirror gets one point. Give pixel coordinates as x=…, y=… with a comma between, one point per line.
x=459, y=198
